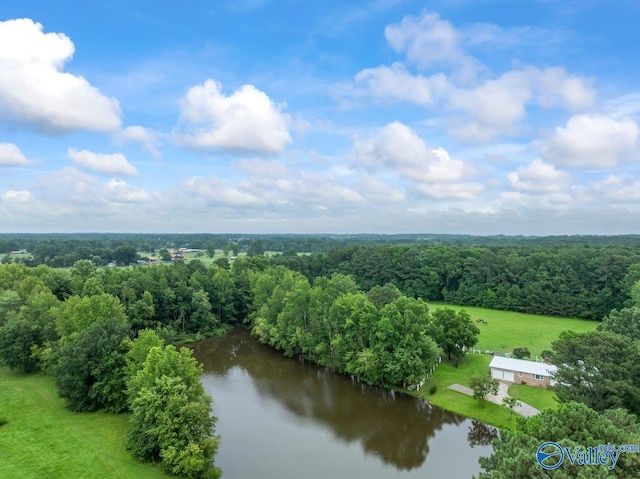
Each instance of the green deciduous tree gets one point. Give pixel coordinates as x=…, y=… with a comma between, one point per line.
x=380, y=296
x=23, y=334
x=510, y=403
x=91, y=369
x=171, y=417
x=402, y=344
x=10, y=303
x=79, y=313
x=139, y=350
x=483, y=386
x=454, y=332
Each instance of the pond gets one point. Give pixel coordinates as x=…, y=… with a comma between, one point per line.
x=282, y=419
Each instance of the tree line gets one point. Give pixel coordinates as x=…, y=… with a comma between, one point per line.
x=572, y=281
x=381, y=337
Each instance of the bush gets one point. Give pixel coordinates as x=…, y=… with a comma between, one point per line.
x=521, y=353
x=3, y=421
x=433, y=388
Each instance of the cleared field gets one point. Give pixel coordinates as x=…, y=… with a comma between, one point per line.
x=43, y=439
x=506, y=330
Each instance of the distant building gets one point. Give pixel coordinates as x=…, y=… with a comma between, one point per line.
x=522, y=371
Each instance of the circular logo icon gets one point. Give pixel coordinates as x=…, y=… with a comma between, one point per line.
x=550, y=455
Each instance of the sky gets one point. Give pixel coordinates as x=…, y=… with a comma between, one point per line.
x=516, y=117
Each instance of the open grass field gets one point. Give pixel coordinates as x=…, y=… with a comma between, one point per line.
x=506, y=330
x=42, y=439
x=204, y=257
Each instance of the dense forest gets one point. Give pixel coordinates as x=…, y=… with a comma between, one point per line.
x=573, y=276
x=573, y=281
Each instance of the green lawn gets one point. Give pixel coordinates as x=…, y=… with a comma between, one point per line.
x=446, y=374
x=506, y=330
x=42, y=439
x=536, y=397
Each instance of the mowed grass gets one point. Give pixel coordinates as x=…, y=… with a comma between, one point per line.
x=43, y=439
x=506, y=330
x=446, y=374
x=537, y=397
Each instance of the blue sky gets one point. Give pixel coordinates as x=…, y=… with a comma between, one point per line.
x=285, y=116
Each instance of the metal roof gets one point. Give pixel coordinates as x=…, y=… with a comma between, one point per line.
x=522, y=366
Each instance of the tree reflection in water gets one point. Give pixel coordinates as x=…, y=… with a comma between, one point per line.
x=393, y=426
x=481, y=434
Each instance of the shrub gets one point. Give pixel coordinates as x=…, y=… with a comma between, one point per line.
x=521, y=353
x=433, y=388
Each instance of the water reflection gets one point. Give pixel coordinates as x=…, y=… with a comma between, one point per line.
x=392, y=426
x=481, y=434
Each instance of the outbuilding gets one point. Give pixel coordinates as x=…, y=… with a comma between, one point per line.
x=521, y=371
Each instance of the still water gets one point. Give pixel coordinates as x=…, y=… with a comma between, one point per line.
x=280, y=419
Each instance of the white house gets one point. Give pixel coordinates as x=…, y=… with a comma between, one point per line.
x=522, y=371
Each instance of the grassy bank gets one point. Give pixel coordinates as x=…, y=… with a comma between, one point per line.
x=506, y=330
x=446, y=374
x=43, y=439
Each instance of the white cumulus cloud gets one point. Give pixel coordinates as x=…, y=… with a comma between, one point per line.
x=213, y=191
x=16, y=196
x=618, y=188
x=121, y=192
x=247, y=120
x=397, y=83
x=497, y=106
x=112, y=164
x=539, y=177
x=399, y=148
x=145, y=136
x=10, y=155
x=427, y=40
x=598, y=141
x=34, y=89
